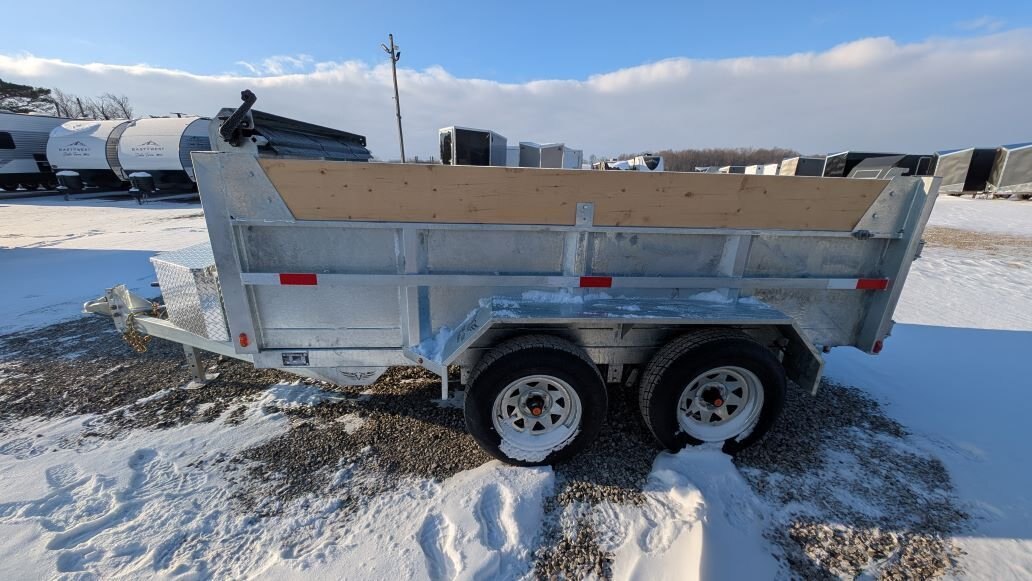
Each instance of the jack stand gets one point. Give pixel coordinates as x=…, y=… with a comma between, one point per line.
x=193, y=361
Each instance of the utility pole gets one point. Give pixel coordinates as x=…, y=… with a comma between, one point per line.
x=395, y=53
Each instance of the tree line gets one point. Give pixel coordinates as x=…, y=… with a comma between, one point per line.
x=18, y=98
x=689, y=159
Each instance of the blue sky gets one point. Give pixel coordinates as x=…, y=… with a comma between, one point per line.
x=501, y=41
x=607, y=77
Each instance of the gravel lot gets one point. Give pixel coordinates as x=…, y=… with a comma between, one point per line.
x=896, y=518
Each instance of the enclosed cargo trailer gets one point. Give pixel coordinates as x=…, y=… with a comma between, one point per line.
x=468, y=146
x=541, y=285
x=802, y=166
x=963, y=171
x=1012, y=171
x=548, y=155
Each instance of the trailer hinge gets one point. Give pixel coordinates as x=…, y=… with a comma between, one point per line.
x=862, y=234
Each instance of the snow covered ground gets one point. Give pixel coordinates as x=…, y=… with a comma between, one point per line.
x=160, y=502
x=86, y=246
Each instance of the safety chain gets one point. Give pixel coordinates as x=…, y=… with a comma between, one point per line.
x=137, y=340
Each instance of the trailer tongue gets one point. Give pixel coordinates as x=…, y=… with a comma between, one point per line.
x=542, y=286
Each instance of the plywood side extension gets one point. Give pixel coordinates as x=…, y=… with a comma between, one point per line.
x=327, y=190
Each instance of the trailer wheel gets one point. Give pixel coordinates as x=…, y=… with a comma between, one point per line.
x=535, y=400
x=713, y=386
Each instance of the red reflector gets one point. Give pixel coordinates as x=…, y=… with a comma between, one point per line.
x=877, y=347
x=872, y=284
x=244, y=341
x=307, y=279
x=596, y=281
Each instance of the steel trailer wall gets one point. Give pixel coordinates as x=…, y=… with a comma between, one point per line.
x=23, y=148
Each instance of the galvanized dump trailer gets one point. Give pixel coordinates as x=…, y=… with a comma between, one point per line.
x=542, y=286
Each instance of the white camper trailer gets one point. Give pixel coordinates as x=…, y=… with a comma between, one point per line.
x=23, y=149
x=84, y=153
x=154, y=153
x=645, y=162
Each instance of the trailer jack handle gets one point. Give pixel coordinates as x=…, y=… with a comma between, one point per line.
x=230, y=129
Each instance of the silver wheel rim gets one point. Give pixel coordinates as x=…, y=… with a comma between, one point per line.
x=720, y=404
x=557, y=419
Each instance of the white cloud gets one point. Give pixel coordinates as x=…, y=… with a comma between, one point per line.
x=981, y=24
x=869, y=94
x=279, y=65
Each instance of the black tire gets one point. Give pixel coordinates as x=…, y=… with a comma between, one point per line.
x=526, y=356
x=679, y=362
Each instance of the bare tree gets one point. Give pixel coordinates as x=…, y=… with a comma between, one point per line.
x=24, y=98
x=107, y=106
x=117, y=106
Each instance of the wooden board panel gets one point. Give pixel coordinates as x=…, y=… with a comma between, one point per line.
x=326, y=190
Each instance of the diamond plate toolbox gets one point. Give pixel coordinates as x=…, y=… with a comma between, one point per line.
x=190, y=286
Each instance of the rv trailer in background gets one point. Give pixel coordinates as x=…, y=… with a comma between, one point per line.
x=512, y=156
x=1012, y=171
x=732, y=169
x=963, y=171
x=23, y=151
x=84, y=153
x=647, y=162
x=155, y=152
x=467, y=146
x=802, y=166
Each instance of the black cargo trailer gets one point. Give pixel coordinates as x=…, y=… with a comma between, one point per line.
x=467, y=146
x=842, y=164
x=889, y=166
x=802, y=166
x=963, y=170
x=1012, y=171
